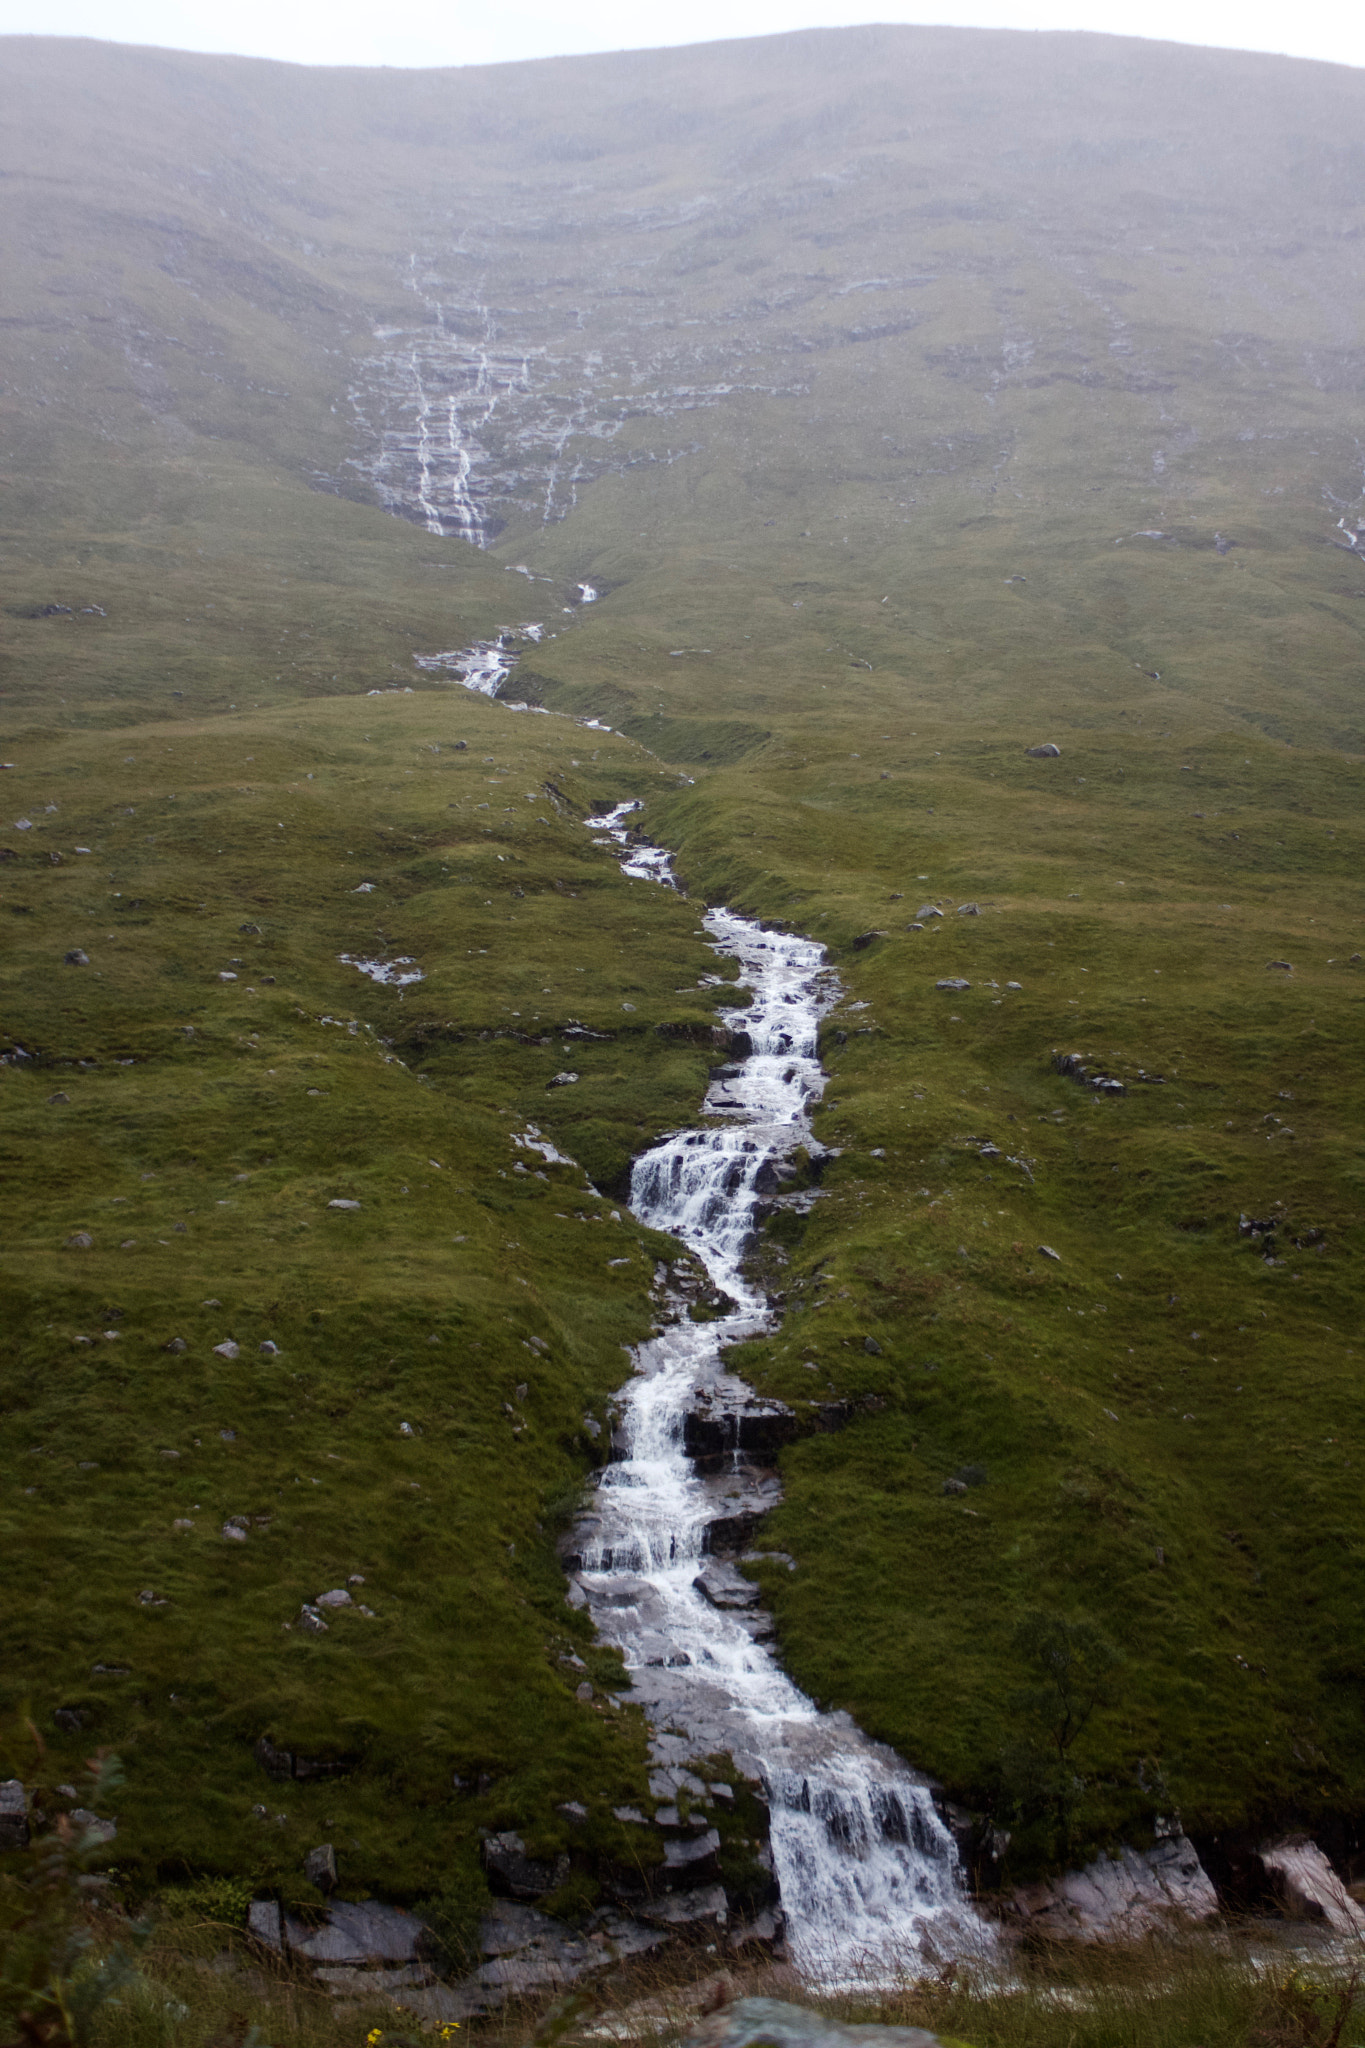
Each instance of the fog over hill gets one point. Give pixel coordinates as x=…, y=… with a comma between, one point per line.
x=816, y=426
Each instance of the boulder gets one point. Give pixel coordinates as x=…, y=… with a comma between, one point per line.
x=720, y=1585
x=564, y=1080
x=1307, y=1886
x=359, y=1933
x=954, y=984
x=227, y=1349
x=928, y=910
x=76, y=958
x=341, y=1202
x=80, y=1241
x=969, y=910
x=1123, y=1897
x=776, y=2024
x=1047, y=752
x=320, y=1867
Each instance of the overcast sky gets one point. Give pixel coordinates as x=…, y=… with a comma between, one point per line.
x=425, y=32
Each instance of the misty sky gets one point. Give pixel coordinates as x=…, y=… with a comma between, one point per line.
x=475, y=32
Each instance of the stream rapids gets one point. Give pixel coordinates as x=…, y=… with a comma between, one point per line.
x=868, y=1873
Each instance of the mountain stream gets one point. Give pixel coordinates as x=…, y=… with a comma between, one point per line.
x=868, y=1872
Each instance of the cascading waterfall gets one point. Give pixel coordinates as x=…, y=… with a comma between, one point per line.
x=869, y=1877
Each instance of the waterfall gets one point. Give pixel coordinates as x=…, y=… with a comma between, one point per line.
x=869, y=1875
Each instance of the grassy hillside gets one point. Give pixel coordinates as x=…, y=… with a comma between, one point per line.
x=911, y=398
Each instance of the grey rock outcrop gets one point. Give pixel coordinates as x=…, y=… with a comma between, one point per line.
x=1121, y=1897
x=1307, y=1886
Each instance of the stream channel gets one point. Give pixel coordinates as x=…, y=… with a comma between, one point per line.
x=869, y=1877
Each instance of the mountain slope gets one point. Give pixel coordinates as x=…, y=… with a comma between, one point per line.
x=908, y=398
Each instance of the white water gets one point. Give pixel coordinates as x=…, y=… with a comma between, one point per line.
x=869, y=1878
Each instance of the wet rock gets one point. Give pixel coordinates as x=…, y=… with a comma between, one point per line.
x=758, y=1428
x=723, y=1586
x=1047, y=752
x=776, y=2024
x=1307, y=1886
x=320, y=1867
x=519, y=1875
x=1122, y=1897
x=14, y=1829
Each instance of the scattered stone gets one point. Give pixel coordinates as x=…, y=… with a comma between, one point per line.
x=573, y=1811
x=311, y=1621
x=80, y=1241
x=524, y=1877
x=953, y=985
x=928, y=910
x=276, y=1763
x=320, y=1867
x=865, y=939
x=76, y=958
x=148, y=1598
x=583, y=1691
x=341, y=1202
x=969, y=910
x=177, y=1345
x=58, y=1097
x=234, y=1531
x=1048, y=1253
x=269, y=1350
x=91, y=1824
x=1047, y=752
x=263, y=1919
x=954, y=1486
x=182, y=1522
x=227, y=1349
x=1307, y=1886
x=1279, y=966
x=562, y=1081
x=872, y=1347
x=338, y=1597
x=14, y=1829
x=775, y=2024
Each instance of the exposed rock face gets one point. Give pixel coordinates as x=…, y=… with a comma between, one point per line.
x=771, y=2021
x=1307, y=1886
x=1122, y=1897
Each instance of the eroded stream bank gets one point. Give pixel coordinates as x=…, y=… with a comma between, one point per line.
x=867, y=1872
